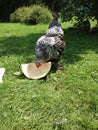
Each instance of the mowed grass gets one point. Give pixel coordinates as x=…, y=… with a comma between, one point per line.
x=64, y=100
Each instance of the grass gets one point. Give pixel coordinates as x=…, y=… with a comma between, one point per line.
x=65, y=100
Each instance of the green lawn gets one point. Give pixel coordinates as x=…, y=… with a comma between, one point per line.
x=65, y=100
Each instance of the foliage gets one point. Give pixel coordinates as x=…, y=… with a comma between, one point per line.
x=34, y=14
x=95, y=9
x=8, y=6
x=65, y=100
x=83, y=25
x=81, y=10
x=21, y=14
x=54, y=5
x=39, y=14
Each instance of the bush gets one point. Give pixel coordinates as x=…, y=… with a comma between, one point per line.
x=31, y=15
x=39, y=15
x=83, y=25
x=20, y=15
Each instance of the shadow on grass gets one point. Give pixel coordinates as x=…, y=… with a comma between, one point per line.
x=77, y=43
x=18, y=45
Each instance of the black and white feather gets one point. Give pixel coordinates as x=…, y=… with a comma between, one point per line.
x=48, y=46
x=55, y=31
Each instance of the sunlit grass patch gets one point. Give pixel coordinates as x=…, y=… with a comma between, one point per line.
x=64, y=100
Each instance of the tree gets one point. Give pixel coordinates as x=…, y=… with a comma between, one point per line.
x=7, y=7
x=95, y=10
x=82, y=10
